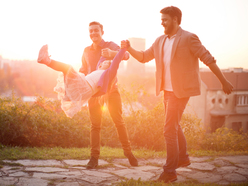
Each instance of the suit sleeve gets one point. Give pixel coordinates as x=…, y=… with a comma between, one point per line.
x=109, y=74
x=200, y=51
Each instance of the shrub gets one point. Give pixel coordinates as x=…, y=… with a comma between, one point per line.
x=44, y=124
x=224, y=139
x=193, y=131
x=146, y=128
x=41, y=124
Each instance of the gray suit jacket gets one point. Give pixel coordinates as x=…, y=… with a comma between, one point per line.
x=186, y=51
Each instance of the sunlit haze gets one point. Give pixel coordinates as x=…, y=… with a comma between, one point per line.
x=27, y=25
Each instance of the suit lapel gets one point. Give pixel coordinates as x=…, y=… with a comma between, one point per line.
x=177, y=39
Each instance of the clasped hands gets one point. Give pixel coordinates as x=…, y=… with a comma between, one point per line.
x=109, y=54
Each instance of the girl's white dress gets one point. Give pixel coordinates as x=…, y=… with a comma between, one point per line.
x=75, y=89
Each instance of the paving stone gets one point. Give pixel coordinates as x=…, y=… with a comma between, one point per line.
x=70, y=184
x=11, y=169
x=236, y=159
x=181, y=179
x=7, y=172
x=121, y=161
x=81, y=168
x=135, y=174
x=244, y=172
x=37, y=162
x=226, y=170
x=83, y=162
x=76, y=162
x=120, y=166
x=71, y=174
x=8, y=181
x=203, y=177
x=32, y=182
x=202, y=166
x=146, y=168
x=97, y=173
x=242, y=165
x=219, y=163
x=112, y=169
x=102, y=162
x=48, y=176
x=92, y=179
x=198, y=159
x=18, y=174
x=183, y=169
x=234, y=177
x=52, y=172
x=46, y=169
x=157, y=161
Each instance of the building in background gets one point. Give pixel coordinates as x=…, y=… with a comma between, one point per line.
x=215, y=108
x=132, y=72
x=132, y=66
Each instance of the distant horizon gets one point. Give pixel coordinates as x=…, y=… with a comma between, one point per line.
x=147, y=64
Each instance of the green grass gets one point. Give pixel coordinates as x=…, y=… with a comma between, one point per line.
x=132, y=182
x=107, y=153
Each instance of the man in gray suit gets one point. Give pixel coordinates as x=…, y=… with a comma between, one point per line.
x=177, y=55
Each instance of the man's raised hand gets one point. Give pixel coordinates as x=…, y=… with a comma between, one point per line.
x=125, y=44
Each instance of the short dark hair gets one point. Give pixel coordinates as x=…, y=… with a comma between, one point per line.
x=96, y=23
x=173, y=12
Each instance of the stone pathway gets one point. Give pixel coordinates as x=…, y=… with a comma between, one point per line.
x=220, y=170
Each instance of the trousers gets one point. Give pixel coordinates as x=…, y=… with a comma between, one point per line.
x=176, y=144
x=115, y=109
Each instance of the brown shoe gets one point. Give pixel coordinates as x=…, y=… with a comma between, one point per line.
x=167, y=178
x=183, y=163
x=132, y=160
x=93, y=163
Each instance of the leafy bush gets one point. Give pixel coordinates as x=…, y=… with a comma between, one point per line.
x=193, y=131
x=44, y=124
x=41, y=124
x=224, y=139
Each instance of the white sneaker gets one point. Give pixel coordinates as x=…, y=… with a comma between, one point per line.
x=43, y=55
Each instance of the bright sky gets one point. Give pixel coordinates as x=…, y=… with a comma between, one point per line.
x=26, y=25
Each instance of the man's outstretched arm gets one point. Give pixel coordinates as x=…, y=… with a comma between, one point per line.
x=135, y=53
x=226, y=85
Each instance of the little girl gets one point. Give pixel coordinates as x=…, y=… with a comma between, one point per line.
x=74, y=88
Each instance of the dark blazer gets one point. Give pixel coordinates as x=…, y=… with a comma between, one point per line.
x=186, y=51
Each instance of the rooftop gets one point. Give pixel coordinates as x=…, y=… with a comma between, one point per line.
x=238, y=78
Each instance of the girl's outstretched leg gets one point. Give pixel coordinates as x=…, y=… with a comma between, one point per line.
x=44, y=58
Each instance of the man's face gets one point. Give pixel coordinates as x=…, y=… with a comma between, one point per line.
x=167, y=23
x=95, y=33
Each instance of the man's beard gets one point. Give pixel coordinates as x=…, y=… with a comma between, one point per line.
x=169, y=29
